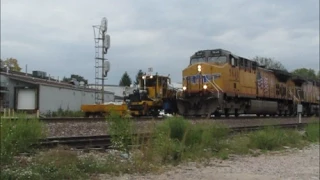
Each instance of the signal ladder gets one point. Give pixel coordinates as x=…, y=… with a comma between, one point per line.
x=98, y=63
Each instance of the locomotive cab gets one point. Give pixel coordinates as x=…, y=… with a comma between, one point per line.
x=154, y=86
x=151, y=95
x=204, y=82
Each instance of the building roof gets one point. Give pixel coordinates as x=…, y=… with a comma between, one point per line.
x=28, y=78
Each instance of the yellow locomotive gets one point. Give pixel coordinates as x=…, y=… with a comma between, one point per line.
x=219, y=82
x=153, y=95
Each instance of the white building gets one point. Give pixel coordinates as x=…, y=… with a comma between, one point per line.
x=119, y=91
x=24, y=92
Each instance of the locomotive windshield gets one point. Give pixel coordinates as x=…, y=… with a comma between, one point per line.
x=151, y=82
x=197, y=60
x=218, y=60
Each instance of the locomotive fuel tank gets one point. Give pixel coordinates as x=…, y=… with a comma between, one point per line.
x=262, y=107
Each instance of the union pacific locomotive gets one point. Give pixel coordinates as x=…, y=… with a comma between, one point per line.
x=218, y=82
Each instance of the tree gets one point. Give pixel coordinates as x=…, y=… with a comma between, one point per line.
x=125, y=80
x=305, y=73
x=318, y=74
x=1, y=63
x=12, y=63
x=76, y=77
x=269, y=63
x=140, y=73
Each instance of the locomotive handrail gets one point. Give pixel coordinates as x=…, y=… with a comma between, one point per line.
x=215, y=86
x=294, y=96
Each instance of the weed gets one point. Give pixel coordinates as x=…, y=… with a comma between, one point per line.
x=313, y=132
x=172, y=141
x=272, y=138
x=58, y=164
x=64, y=113
x=239, y=143
x=18, y=135
x=121, y=131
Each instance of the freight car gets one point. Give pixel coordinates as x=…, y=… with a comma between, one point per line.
x=218, y=82
x=154, y=94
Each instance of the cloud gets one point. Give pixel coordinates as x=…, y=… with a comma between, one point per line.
x=57, y=36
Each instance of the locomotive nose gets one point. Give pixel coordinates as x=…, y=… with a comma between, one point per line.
x=199, y=67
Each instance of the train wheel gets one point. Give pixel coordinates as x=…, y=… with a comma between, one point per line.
x=217, y=114
x=86, y=114
x=226, y=112
x=145, y=109
x=209, y=116
x=236, y=114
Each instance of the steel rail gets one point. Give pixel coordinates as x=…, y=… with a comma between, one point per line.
x=85, y=119
x=104, y=141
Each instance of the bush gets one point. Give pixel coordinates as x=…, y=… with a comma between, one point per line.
x=214, y=136
x=58, y=164
x=313, y=132
x=121, y=131
x=272, y=138
x=18, y=135
x=64, y=113
x=173, y=140
x=167, y=139
x=239, y=144
x=176, y=139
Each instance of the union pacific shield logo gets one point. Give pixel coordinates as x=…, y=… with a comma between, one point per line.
x=205, y=78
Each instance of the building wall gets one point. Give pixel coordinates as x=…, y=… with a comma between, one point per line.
x=53, y=98
x=11, y=84
x=117, y=90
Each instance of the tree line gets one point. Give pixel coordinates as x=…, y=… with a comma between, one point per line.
x=126, y=80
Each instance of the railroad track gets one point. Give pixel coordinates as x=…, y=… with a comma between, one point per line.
x=97, y=119
x=104, y=141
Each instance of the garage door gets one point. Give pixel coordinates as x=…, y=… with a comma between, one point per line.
x=26, y=99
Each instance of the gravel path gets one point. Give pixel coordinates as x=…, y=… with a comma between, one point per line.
x=74, y=128
x=290, y=164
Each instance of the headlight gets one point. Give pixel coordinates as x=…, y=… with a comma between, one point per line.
x=205, y=86
x=151, y=77
x=199, y=68
x=143, y=77
x=184, y=88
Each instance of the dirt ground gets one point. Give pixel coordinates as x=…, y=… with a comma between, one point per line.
x=289, y=164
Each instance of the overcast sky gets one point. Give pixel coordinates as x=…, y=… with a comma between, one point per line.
x=57, y=36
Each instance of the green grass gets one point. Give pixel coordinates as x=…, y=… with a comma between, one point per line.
x=313, y=132
x=272, y=138
x=64, y=113
x=18, y=135
x=173, y=141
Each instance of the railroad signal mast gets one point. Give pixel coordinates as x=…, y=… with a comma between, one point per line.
x=102, y=65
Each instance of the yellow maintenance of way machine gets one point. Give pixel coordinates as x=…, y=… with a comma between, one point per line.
x=153, y=94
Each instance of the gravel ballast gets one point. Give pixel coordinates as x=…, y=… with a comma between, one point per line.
x=289, y=164
x=91, y=128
